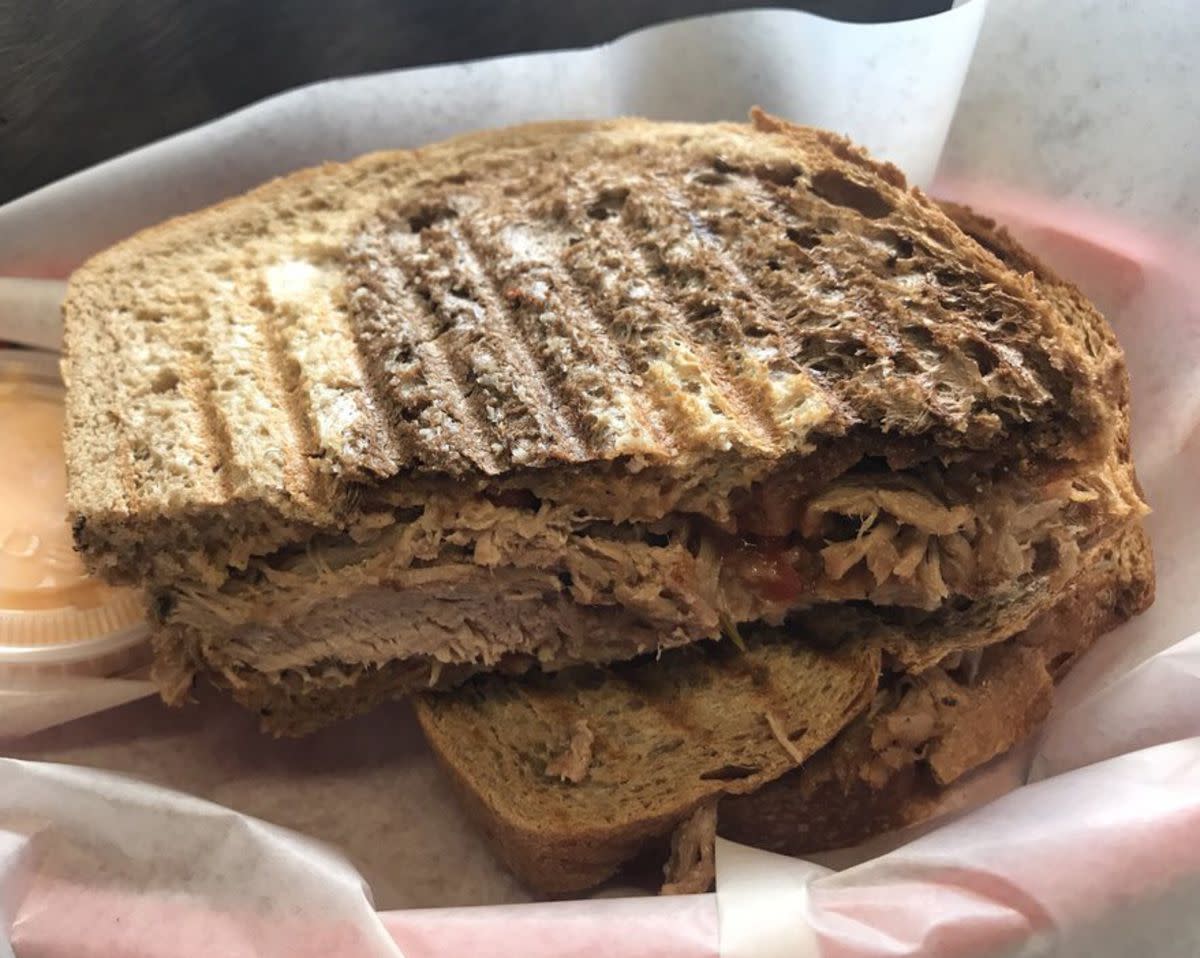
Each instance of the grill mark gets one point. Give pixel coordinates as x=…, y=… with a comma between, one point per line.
x=126, y=474
x=416, y=332
x=371, y=406
x=283, y=381
x=193, y=383
x=576, y=302
x=553, y=710
x=462, y=324
x=198, y=387
x=374, y=377
x=723, y=260
x=765, y=682
x=439, y=370
x=767, y=691
x=669, y=709
x=748, y=416
x=530, y=381
x=578, y=298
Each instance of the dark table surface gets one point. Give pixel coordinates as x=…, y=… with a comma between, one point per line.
x=84, y=80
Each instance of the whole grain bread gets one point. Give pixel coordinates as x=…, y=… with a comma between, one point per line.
x=595, y=311
x=959, y=687
x=664, y=735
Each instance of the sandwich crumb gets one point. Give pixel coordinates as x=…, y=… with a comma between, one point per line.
x=691, y=869
x=788, y=745
x=573, y=764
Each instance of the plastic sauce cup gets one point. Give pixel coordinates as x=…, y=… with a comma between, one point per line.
x=54, y=618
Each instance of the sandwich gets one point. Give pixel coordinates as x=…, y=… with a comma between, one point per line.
x=575, y=402
x=851, y=721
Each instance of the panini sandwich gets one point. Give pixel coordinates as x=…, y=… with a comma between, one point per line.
x=579, y=393
x=851, y=720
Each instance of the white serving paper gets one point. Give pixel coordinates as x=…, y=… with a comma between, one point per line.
x=1100, y=856
x=1089, y=100
x=30, y=312
x=891, y=87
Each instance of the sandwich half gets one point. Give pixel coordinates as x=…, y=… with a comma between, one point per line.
x=796, y=744
x=574, y=394
x=850, y=721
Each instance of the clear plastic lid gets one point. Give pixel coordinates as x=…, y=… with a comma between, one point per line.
x=54, y=618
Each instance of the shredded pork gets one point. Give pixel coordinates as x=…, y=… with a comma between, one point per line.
x=691, y=868
x=891, y=539
x=573, y=763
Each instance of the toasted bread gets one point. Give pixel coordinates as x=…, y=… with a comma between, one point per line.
x=554, y=395
x=666, y=735
x=237, y=374
x=885, y=769
x=937, y=714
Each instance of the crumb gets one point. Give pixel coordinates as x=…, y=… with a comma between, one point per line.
x=691, y=868
x=788, y=745
x=573, y=764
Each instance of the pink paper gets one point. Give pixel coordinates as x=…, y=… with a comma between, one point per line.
x=679, y=927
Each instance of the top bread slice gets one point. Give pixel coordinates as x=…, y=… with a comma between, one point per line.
x=627, y=316
x=958, y=689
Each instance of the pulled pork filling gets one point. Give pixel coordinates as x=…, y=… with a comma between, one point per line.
x=422, y=578
x=892, y=540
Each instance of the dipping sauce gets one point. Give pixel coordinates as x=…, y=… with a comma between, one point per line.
x=53, y=616
x=38, y=567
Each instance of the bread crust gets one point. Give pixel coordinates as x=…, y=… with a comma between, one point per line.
x=204, y=425
x=876, y=775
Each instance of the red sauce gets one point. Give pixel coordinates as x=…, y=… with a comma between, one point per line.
x=773, y=570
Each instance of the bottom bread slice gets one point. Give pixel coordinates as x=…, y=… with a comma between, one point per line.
x=570, y=776
x=889, y=767
x=572, y=773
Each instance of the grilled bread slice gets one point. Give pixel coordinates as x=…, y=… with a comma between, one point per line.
x=555, y=394
x=573, y=773
x=959, y=688
x=540, y=302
